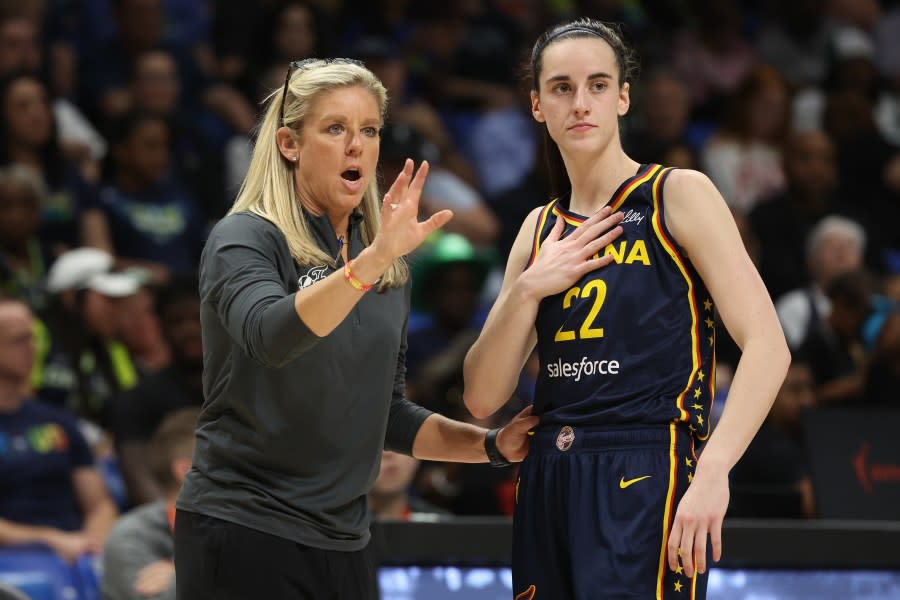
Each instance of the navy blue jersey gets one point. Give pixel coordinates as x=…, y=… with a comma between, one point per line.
x=632, y=342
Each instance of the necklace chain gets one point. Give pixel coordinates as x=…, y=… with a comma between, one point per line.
x=341, y=241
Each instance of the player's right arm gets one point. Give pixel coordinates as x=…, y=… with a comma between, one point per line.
x=493, y=364
x=495, y=360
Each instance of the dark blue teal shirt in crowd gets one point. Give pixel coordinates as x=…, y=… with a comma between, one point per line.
x=40, y=449
x=162, y=224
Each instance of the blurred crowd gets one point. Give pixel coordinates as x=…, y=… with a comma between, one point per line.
x=125, y=132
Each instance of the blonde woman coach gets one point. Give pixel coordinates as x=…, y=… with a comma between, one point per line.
x=304, y=306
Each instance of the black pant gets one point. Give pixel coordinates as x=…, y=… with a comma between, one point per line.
x=215, y=559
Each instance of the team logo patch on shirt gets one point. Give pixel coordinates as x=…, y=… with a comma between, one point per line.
x=565, y=438
x=313, y=275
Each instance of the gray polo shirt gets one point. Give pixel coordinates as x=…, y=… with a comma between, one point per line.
x=290, y=435
x=137, y=540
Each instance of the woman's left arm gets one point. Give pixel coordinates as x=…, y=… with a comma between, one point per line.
x=698, y=218
x=414, y=430
x=440, y=438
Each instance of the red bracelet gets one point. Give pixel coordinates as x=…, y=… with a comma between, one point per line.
x=352, y=280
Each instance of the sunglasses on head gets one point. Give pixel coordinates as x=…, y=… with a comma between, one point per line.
x=308, y=63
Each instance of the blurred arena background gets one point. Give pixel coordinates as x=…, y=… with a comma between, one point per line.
x=127, y=127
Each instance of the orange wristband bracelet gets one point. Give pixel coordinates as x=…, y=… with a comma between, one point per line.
x=352, y=280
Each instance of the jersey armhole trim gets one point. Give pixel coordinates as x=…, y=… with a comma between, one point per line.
x=672, y=250
x=538, y=228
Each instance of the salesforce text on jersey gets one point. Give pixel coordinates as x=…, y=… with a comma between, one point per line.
x=588, y=367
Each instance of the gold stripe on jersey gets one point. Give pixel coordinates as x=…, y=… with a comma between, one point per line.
x=695, y=313
x=617, y=202
x=669, y=508
x=542, y=220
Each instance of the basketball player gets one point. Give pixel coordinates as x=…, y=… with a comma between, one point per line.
x=613, y=501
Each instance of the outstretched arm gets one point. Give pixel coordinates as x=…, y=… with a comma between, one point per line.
x=416, y=431
x=323, y=306
x=494, y=362
x=440, y=438
x=238, y=277
x=701, y=223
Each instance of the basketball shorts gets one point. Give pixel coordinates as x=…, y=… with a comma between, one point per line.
x=594, y=507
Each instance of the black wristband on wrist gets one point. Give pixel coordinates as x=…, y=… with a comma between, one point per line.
x=493, y=453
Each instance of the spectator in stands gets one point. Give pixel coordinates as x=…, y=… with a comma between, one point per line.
x=50, y=491
x=387, y=61
x=836, y=353
x=796, y=41
x=23, y=256
x=472, y=217
x=887, y=60
x=138, y=561
x=20, y=44
x=850, y=67
x=84, y=365
x=386, y=19
x=152, y=222
x=140, y=28
x=772, y=479
x=744, y=157
x=139, y=411
x=156, y=86
x=390, y=497
x=141, y=333
x=21, y=49
x=28, y=136
x=659, y=134
x=892, y=285
x=457, y=71
x=448, y=277
x=286, y=31
x=857, y=14
x=782, y=224
x=714, y=59
x=236, y=30
x=861, y=363
x=466, y=65
x=294, y=32
x=869, y=165
x=881, y=334
x=833, y=247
